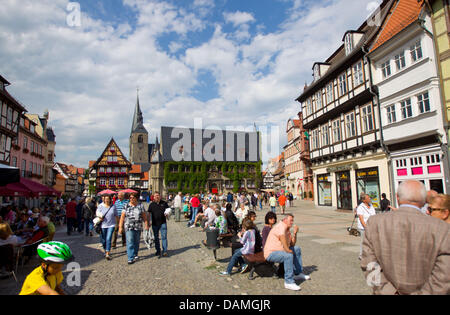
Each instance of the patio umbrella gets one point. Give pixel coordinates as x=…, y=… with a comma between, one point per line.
x=106, y=192
x=14, y=190
x=128, y=191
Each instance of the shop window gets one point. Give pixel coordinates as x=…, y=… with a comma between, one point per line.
x=368, y=182
x=417, y=171
x=434, y=169
x=402, y=172
x=324, y=190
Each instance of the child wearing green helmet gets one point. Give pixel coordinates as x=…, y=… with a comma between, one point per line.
x=46, y=279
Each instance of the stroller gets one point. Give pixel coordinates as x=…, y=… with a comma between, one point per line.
x=351, y=230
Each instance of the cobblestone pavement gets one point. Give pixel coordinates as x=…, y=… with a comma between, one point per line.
x=330, y=256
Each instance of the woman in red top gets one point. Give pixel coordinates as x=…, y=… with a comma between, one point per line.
x=195, y=203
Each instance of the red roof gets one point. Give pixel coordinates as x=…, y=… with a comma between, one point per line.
x=135, y=169
x=403, y=14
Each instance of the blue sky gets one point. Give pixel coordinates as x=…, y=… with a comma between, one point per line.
x=232, y=63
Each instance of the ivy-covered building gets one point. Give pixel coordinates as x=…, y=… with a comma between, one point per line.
x=208, y=161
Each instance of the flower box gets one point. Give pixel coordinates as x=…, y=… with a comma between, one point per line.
x=26, y=150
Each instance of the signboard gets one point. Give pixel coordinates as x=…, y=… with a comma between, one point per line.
x=342, y=168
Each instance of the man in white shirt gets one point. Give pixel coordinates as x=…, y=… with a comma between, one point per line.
x=210, y=216
x=177, y=205
x=364, y=211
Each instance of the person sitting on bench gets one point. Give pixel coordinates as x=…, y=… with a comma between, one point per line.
x=248, y=240
x=280, y=248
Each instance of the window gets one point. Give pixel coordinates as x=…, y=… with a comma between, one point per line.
x=358, y=75
x=325, y=138
x=24, y=167
x=348, y=43
x=315, y=139
x=400, y=61
x=424, y=102
x=342, y=84
x=9, y=118
x=391, y=117
x=14, y=162
x=25, y=142
x=367, y=118
x=350, y=125
x=112, y=181
x=330, y=93
x=416, y=51
x=31, y=146
x=121, y=182
x=123, y=170
x=386, y=69
x=102, y=181
x=318, y=100
x=406, y=108
x=309, y=106
x=50, y=156
x=32, y=128
x=336, y=127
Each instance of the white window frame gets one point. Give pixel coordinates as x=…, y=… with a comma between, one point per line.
x=350, y=125
x=319, y=100
x=386, y=69
x=405, y=108
x=309, y=106
x=348, y=43
x=367, y=118
x=416, y=51
x=424, y=102
x=336, y=129
x=325, y=135
x=400, y=61
x=358, y=74
x=391, y=114
x=330, y=93
x=343, y=84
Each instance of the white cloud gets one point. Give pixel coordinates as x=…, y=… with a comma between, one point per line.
x=87, y=76
x=238, y=18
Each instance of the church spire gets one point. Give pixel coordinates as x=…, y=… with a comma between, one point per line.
x=138, y=120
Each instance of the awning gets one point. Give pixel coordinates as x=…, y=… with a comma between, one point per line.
x=8, y=175
x=27, y=188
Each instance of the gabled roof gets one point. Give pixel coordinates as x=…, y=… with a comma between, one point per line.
x=110, y=143
x=135, y=169
x=402, y=14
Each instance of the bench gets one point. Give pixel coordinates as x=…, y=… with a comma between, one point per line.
x=262, y=267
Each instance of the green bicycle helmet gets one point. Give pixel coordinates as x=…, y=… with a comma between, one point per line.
x=55, y=252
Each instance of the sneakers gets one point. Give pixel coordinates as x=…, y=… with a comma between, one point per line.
x=165, y=255
x=135, y=259
x=224, y=273
x=130, y=262
x=302, y=276
x=245, y=268
x=292, y=286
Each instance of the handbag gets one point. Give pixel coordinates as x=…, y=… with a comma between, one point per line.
x=98, y=222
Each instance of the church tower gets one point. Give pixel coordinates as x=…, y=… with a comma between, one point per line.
x=138, y=138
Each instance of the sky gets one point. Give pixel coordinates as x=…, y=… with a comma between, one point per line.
x=231, y=63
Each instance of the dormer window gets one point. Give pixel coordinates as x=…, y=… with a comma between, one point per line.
x=316, y=72
x=348, y=43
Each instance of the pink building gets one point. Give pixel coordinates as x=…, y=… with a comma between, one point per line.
x=28, y=151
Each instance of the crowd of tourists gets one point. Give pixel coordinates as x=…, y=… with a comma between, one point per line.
x=421, y=215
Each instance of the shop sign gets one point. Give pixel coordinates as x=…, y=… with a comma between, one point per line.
x=366, y=173
x=342, y=168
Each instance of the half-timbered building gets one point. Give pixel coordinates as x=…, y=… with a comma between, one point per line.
x=341, y=113
x=111, y=170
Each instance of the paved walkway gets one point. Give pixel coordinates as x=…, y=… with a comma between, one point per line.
x=330, y=256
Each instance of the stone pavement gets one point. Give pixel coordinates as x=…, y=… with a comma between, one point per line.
x=330, y=256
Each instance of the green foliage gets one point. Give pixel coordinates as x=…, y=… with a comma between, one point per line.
x=195, y=180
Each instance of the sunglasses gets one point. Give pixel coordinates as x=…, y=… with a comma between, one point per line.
x=435, y=209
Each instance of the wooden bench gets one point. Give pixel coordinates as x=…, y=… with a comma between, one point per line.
x=261, y=266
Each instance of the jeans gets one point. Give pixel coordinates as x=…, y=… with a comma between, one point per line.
x=106, y=237
x=156, y=229
x=194, y=214
x=133, y=240
x=71, y=223
x=292, y=262
x=237, y=257
x=273, y=209
x=88, y=225
x=361, y=244
x=116, y=231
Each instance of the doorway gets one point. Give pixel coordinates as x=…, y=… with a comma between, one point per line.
x=344, y=192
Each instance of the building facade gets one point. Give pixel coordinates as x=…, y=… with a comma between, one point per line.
x=440, y=14
x=28, y=151
x=341, y=113
x=111, y=170
x=405, y=72
x=11, y=111
x=208, y=161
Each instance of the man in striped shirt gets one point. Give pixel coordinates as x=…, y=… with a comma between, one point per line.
x=120, y=204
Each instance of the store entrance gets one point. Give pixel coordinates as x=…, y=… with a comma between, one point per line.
x=344, y=192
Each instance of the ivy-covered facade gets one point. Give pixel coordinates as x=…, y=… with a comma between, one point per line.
x=212, y=177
